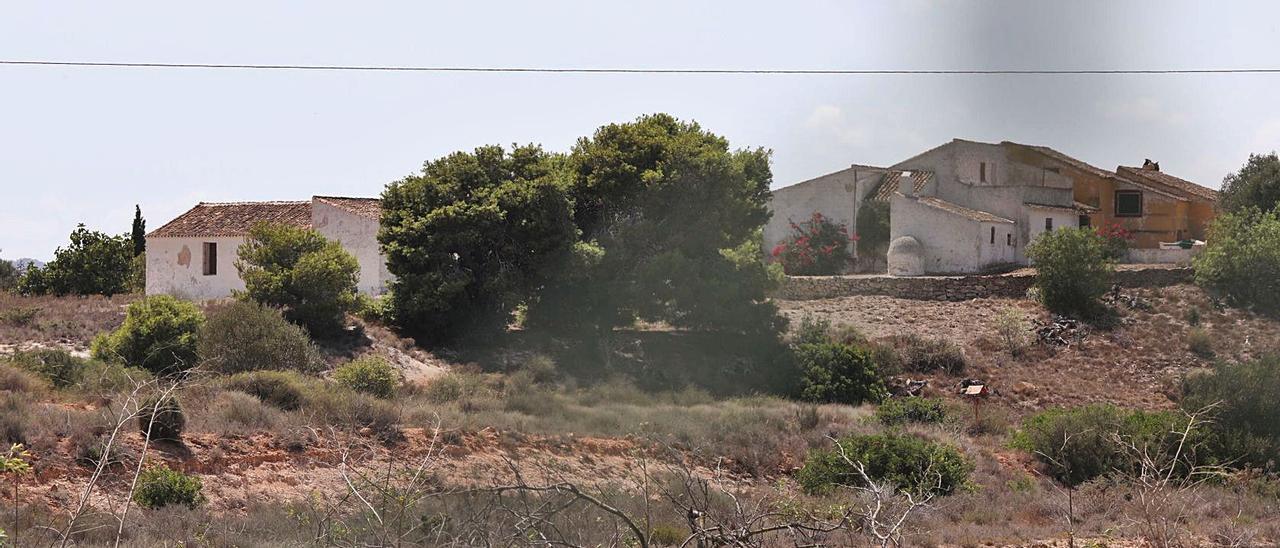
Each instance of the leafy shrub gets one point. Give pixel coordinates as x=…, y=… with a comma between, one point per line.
x=445, y=388
x=664, y=534
x=19, y=316
x=898, y=411
x=1193, y=317
x=8, y=276
x=165, y=419
x=341, y=406
x=1241, y=259
x=59, y=367
x=1245, y=429
x=872, y=228
x=922, y=355
x=838, y=373
x=158, y=334
x=1014, y=331
x=1200, y=343
x=93, y=264
x=812, y=330
x=368, y=374
x=817, y=247
x=1079, y=444
x=162, y=486
x=312, y=279
x=1073, y=270
x=908, y=463
x=1255, y=186
x=284, y=390
x=244, y=336
x=101, y=377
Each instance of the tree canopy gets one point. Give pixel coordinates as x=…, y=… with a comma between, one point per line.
x=94, y=263
x=1257, y=184
x=139, y=234
x=473, y=236
x=311, y=279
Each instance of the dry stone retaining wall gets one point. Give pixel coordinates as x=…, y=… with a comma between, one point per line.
x=956, y=288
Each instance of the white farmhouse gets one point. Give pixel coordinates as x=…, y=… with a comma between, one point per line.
x=194, y=255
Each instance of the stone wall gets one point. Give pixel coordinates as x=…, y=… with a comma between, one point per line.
x=956, y=288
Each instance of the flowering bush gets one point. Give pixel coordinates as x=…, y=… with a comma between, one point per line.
x=817, y=247
x=1115, y=239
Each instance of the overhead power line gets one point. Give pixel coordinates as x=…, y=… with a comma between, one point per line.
x=623, y=70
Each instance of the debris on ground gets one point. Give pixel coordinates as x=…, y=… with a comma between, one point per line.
x=1130, y=300
x=1060, y=331
x=907, y=388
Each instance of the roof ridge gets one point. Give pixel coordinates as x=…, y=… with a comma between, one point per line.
x=263, y=202
x=322, y=196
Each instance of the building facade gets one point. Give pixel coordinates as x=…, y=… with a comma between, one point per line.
x=967, y=206
x=194, y=255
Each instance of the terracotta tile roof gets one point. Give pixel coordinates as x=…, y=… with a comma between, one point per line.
x=1181, y=187
x=233, y=218
x=889, y=184
x=1072, y=208
x=971, y=214
x=367, y=207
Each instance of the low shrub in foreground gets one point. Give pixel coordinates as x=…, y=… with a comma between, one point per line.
x=161, y=486
x=165, y=419
x=284, y=390
x=1246, y=431
x=908, y=463
x=246, y=336
x=158, y=334
x=369, y=374
x=838, y=373
x=898, y=411
x=1083, y=443
x=59, y=367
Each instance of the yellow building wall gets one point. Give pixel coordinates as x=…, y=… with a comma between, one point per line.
x=1163, y=219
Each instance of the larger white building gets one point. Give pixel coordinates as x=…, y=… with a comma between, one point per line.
x=194, y=255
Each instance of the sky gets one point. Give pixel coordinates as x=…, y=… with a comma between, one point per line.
x=84, y=145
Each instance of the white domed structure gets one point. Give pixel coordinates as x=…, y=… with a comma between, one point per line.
x=906, y=257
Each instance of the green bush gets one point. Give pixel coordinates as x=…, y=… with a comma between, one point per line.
x=284, y=390
x=245, y=336
x=19, y=316
x=161, y=486
x=93, y=264
x=368, y=374
x=1083, y=443
x=59, y=367
x=158, y=334
x=921, y=355
x=341, y=406
x=313, y=280
x=1073, y=270
x=1241, y=259
x=1200, y=343
x=838, y=373
x=165, y=419
x=1255, y=186
x=908, y=463
x=1245, y=429
x=898, y=411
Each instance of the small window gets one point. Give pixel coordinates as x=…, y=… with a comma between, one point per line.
x=1008, y=239
x=1128, y=203
x=993, y=235
x=982, y=172
x=210, y=259
x=1048, y=224
x=1085, y=221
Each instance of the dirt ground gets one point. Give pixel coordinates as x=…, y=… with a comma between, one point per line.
x=1135, y=364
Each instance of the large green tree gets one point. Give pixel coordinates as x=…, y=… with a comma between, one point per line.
x=8, y=275
x=473, y=236
x=1241, y=259
x=311, y=279
x=139, y=234
x=93, y=263
x=1257, y=184
x=660, y=204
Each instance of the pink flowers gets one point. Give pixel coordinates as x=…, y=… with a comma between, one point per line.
x=816, y=247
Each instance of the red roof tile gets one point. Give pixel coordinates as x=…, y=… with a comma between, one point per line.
x=367, y=207
x=1182, y=187
x=234, y=218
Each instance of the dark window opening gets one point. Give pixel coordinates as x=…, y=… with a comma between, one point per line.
x=1008, y=239
x=993, y=235
x=1085, y=221
x=210, y=259
x=1128, y=203
x=982, y=172
x=1048, y=223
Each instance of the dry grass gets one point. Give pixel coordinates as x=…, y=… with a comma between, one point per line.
x=66, y=321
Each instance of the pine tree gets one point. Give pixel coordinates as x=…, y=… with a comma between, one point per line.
x=139, y=235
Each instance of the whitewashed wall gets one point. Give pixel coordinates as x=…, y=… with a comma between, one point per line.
x=175, y=266
x=359, y=236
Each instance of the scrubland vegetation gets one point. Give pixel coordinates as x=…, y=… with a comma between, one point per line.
x=611, y=380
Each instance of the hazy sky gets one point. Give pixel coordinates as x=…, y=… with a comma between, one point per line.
x=86, y=144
